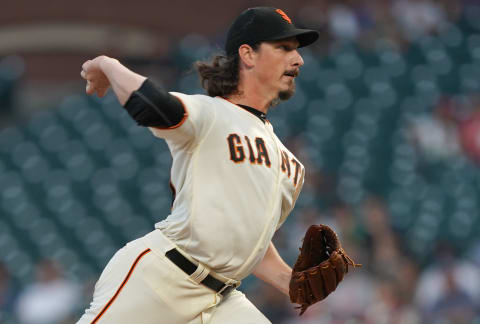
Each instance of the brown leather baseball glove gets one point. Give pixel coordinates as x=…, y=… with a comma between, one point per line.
x=320, y=267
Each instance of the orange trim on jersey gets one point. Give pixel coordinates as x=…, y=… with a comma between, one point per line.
x=297, y=169
x=180, y=123
x=110, y=302
x=238, y=149
x=262, y=150
x=252, y=158
x=285, y=163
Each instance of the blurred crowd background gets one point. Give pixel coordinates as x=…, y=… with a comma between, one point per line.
x=386, y=119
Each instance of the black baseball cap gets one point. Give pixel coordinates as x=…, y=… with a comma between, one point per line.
x=260, y=24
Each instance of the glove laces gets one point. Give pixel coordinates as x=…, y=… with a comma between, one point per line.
x=348, y=259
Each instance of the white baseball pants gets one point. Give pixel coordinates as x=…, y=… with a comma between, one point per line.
x=140, y=285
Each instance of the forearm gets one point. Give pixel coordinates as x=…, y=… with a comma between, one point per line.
x=122, y=80
x=146, y=103
x=273, y=270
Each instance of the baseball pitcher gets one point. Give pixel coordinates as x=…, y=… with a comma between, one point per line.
x=234, y=184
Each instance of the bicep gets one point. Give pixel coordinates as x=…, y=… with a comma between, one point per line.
x=197, y=120
x=174, y=116
x=151, y=106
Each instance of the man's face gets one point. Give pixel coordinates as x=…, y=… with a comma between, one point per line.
x=277, y=64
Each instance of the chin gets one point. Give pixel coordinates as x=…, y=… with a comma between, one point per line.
x=283, y=95
x=288, y=93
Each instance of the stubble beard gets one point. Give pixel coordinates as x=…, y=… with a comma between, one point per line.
x=283, y=95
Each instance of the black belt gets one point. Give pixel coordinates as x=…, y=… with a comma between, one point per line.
x=188, y=267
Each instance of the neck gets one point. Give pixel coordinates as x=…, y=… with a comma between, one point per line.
x=251, y=94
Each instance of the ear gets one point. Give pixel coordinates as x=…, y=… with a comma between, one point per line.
x=247, y=55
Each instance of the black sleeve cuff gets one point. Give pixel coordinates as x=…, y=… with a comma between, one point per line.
x=152, y=106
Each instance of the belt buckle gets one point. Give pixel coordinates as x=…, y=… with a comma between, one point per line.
x=227, y=289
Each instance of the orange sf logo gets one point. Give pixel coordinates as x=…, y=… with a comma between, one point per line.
x=284, y=15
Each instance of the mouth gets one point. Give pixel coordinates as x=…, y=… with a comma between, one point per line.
x=291, y=73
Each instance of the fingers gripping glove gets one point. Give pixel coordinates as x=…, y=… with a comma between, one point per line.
x=320, y=267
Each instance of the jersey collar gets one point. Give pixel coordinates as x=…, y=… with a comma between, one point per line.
x=258, y=113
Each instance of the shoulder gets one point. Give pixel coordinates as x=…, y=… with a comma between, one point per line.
x=201, y=103
x=198, y=98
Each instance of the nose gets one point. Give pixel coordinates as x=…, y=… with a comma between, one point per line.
x=298, y=60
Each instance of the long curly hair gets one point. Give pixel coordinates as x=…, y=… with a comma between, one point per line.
x=220, y=76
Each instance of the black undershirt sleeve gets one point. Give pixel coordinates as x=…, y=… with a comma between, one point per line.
x=152, y=106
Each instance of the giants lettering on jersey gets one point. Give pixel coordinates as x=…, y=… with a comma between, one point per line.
x=259, y=156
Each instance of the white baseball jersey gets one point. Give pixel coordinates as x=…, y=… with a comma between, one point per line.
x=235, y=184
